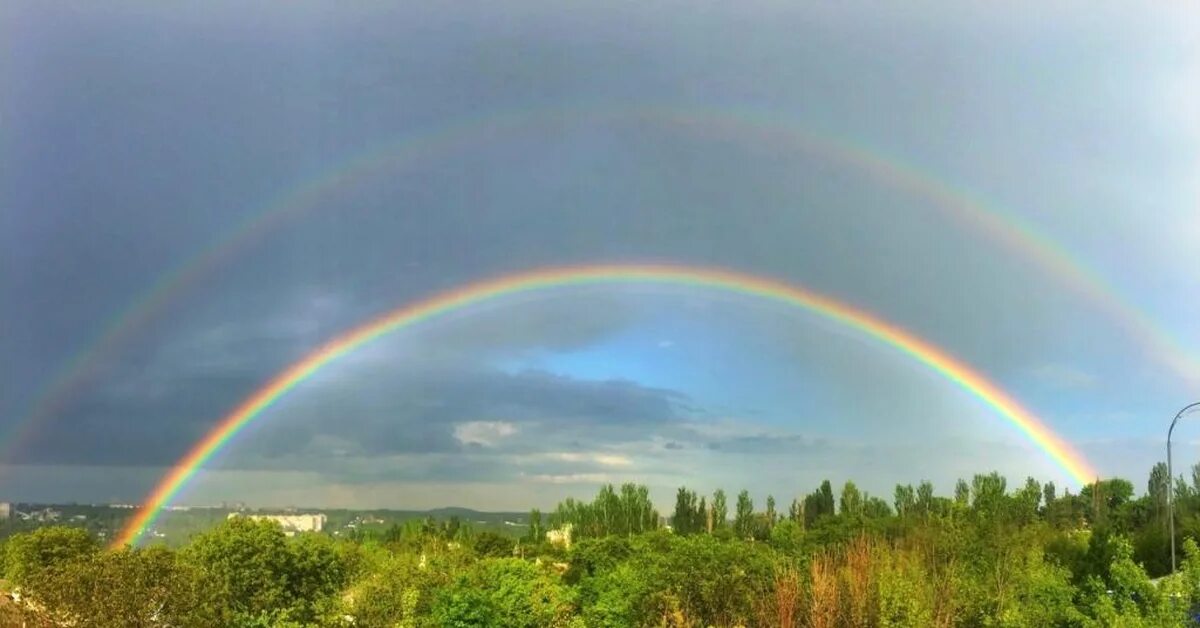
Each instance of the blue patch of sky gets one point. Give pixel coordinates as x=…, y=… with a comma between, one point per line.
x=712, y=362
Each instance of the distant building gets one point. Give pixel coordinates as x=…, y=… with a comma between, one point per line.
x=291, y=524
x=561, y=536
x=5, y=511
x=46, y=515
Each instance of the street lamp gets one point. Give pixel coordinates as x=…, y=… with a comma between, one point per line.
x=1171, y=478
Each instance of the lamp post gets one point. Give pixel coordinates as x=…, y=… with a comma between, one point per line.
x=1171, y=479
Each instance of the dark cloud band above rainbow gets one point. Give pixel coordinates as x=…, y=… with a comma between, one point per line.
x=924, y=352
x=963, y=208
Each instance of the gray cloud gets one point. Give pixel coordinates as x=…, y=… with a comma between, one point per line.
x=421, y=415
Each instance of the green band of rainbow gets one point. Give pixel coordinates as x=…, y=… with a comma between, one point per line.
x=919, y=349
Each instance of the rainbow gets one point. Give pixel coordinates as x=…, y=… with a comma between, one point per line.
x=763, y=128
x=406, y=316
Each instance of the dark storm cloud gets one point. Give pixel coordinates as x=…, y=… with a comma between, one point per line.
x=149, y=430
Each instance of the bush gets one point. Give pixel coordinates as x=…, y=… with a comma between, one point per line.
x=506, y=593
x=127, y=588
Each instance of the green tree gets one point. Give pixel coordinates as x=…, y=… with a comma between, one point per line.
x=27, y=554
x=826, y=492
x=796, y=511
x=743, y=519
x=492, y=545
x=905, y=500
x=505, y=593
x=680, y=581
x=788, y=536
x=536, y=533
x=1158, y=489
x=818, y=504
x=629, y=512
x=987, y=493
x=720, y=510
x=962, y=493
x=134, y=588
x=618, y=596
x=251, y=567
x=1026, y=500
x=925, y=498
x=399, y=588
x=851, y=503
x=876, y=508
x=684, y=519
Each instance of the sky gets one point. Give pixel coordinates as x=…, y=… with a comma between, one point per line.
x=391, y=151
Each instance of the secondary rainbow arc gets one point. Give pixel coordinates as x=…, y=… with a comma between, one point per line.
x=921, y=350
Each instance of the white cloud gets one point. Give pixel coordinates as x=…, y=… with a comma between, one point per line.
x=571, y=478
x=610, y=460
x=484, y=433
x=1063, y=375
x=607, y=460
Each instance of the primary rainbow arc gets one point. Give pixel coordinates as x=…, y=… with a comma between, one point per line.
x=923, y=351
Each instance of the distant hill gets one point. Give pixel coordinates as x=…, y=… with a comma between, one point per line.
x=475, y=515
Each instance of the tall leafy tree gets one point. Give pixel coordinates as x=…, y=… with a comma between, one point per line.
x=925, y=498
x=1026, y=500
x=743, y=520
x=627, y=512
x=684, y=520
x=250, y=565
x=851, y=503
x=876, y=508
x=720, y=509
x=535, y=526
x=962, y=493
x=826, y=498
x=1158, y=489
x=987, y=493
x=796, y=511
x=904, y=500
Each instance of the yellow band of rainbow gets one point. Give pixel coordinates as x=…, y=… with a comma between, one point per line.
x=888, y=333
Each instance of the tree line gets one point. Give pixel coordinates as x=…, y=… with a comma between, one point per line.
x=984, y=554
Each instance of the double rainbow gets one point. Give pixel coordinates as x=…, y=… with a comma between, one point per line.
x=759, y=128
x=924, y=352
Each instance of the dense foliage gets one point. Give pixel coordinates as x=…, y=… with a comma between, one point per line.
x=990, y=555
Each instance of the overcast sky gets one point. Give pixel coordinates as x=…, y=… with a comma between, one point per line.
x=498, y=137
